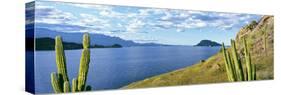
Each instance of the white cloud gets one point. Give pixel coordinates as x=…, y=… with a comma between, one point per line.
x=134, y=25
x=167, y=16
x=92, y=21
x=104, y=10
x=199, y=19
x=48, y=14
x=146, y=12
x=92, y=6
x=88, y=18
x=179, y=30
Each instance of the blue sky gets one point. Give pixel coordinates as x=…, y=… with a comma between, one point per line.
x=142, y=25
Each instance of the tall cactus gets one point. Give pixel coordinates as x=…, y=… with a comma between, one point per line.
x=251, y=73
x=60, y=59
x=230, y=69
x=237, y=62
x=60, y=81
x=84, y=63
x=233, y=64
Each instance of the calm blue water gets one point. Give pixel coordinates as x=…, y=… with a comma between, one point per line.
x=112, y=68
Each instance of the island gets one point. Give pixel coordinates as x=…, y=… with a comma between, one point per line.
x=208, y=43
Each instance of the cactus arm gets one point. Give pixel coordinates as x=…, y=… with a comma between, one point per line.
x=86, y=40
x=227, y=63
x=234, y=66
x=74, y=85
x=248, y=61
x=84, y=63
x=66, y=87
x=237, y=62
x=55, y=83
x=60, y=58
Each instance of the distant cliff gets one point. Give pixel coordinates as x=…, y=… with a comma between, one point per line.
x=208, y=43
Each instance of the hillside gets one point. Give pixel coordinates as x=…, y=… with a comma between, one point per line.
x=260, y=39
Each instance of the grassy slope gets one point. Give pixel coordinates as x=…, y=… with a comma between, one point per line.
x=213, y=70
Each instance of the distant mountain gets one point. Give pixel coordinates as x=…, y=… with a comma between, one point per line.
x=208, y=43
x=99, y=39
x=49, y=44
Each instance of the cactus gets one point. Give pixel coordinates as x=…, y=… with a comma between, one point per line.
x=237, y=62
x=56, y=83
x=60, y=81
x=84, y=63
x=233, y=64
x=229, y=65
x=60, y=59
x=74, y=85
x=66, y=87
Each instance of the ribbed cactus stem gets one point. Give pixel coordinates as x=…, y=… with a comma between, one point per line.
x=233, y=64
x=55, y=83
x=248, y=61
x=74, y=85
x=60, y=58
x=84, y=63
x=227, y=64
x=86, y=40
x=59, y=80
x=66, y=86
x=237, y=62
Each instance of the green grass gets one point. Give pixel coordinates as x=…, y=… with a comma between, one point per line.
x=211, y=71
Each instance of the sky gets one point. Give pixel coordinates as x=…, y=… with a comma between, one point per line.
x=140, y=24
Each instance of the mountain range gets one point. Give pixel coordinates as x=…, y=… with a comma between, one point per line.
x=76, y=37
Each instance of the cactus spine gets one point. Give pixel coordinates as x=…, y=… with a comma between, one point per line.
x=60, y=81
x=233, y=64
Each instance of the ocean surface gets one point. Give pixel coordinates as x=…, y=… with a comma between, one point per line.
x=112, y=68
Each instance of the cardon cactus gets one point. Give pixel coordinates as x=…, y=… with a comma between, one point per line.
x=60, y=59
x=60, y=80
x=234, y=66
x=84, y=63
x=251, y=68
x=237, y=62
